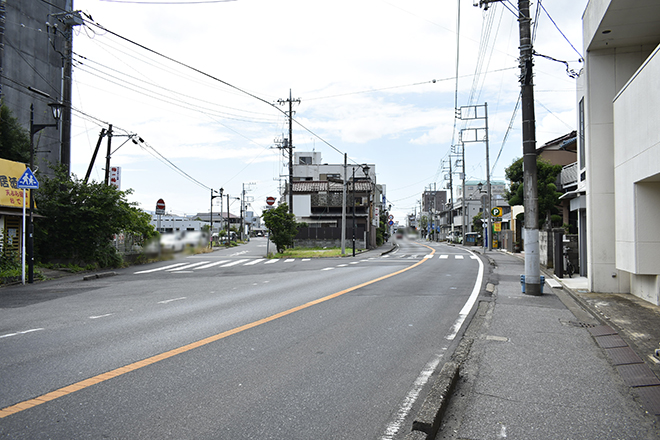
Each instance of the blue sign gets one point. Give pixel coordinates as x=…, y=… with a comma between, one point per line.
x=27, y=180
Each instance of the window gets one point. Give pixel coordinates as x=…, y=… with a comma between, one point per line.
x=305, y=160
x=581, y=146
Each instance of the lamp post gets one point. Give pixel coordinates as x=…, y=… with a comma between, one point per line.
x=56, y=108
x=365, y=170
x=211, y=219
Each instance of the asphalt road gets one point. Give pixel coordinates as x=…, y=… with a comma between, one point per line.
x=229, y=345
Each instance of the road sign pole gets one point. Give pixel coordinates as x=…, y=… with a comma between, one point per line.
x=23, y=243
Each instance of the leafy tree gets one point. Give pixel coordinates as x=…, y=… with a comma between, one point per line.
x=14, y=139
x=282, y=225
x=381, y=232
x=80, y=219
x=548, y=196
x=477, y=223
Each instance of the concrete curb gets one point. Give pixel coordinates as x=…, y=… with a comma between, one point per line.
x=99, y=275
x=430, y=415
x=394, y=247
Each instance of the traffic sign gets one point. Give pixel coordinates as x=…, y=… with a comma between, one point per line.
x=27, y=180
x=160, y=207
x=496, y=212
x=270, y=201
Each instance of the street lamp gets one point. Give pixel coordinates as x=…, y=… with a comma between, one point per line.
x=211, y=222
x=365, y=170
x=56, y=108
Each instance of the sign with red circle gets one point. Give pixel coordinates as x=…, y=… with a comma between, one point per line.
x=270, y=201
x=160, y=207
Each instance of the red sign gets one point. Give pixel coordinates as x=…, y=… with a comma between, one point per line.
x=270, y=201
x=160, y=204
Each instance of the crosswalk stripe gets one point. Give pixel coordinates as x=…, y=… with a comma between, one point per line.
x=160, y=268
x=428, y=256
x=289, y=260
x=444, y=257
x=215, y=263
x=271, y=261
x=234, y=263
x=189, y=266
x=251, y=263
x=474, y=257
x=459, y=257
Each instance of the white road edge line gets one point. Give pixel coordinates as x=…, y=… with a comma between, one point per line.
x=101, y=316
x=20, y=333
x=469, y=303
x=170, y=300
x=394, y=427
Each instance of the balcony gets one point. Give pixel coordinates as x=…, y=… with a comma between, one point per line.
x=569, y=176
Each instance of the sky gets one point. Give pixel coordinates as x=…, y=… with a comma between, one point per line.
x=199, y=83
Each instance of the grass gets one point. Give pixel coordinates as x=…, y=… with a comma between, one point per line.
x=310, y=253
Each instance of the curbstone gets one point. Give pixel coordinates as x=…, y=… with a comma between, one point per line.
x=430, y=415
x=99, y=275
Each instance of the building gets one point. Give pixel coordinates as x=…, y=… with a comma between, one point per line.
x=617, y=196
x=35, y=67
x=11, y=207
x=318, y=192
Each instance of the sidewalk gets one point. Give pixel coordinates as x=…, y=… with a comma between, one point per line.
x=566, y=365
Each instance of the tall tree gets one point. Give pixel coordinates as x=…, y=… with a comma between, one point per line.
x=80, y=219
x=547, y=188
x=14, y=139
x=282, y=225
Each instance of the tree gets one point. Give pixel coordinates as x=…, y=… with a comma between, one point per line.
x=14, y=139
x=548, y=196
x=80, y=219
x=282, y=225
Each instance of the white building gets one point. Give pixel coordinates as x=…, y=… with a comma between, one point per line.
x=619, y=147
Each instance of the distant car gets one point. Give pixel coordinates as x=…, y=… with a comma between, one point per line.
x=398, y=234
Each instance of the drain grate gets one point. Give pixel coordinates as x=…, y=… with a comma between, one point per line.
x=578, y=324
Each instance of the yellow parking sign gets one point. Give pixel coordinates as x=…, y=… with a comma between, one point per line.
x=496, y=212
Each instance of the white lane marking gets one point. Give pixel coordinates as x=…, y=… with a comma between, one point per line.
x=233, y=263
x=101, y=316
x=20, y=333
x=428, y=256
x=328, y=268
x=190, y=266
x=354, y=262
x=474, y=257
x=503, y=431
x=386, y=256
x=252, y=263
x=215, y=263
x=469, y=303
x=170, y=300
x=160, y=268
x=459, y=257
x=289, y=260
x=394, y=427
x=271, y=261
x=444, y=257
x=306, y=259
x=342, y=265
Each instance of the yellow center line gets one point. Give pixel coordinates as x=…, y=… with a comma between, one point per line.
x=21, y=406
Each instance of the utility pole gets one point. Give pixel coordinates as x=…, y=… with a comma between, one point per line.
x=107, y=157
x=530, y=178
x=343, y=209
x=290, y=145
x=480, y=135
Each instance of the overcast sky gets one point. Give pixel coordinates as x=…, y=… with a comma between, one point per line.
x=375, y=79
